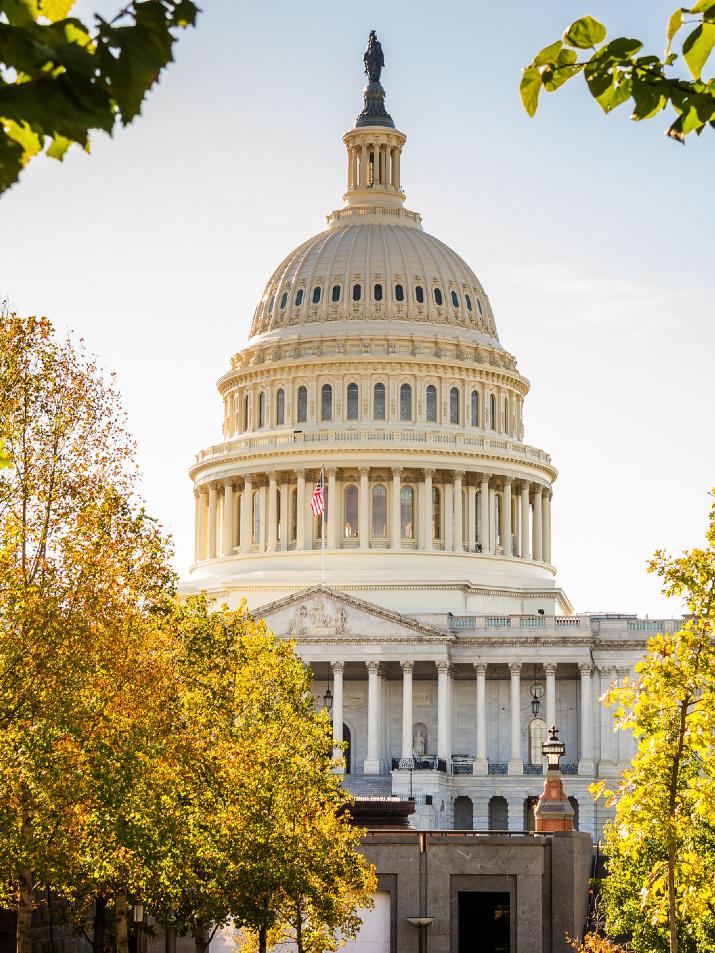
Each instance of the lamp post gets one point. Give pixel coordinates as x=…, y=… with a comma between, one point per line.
x=328, y=700
x=537, y=693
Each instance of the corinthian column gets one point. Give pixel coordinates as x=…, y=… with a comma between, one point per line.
x=364, y=508
x=396, y=534
x=213, y=496
x=300, y=510
x=227, y=527
x=338, y=708
x=537, y=527
x=458, y=516
x=427, y=510
x=524, y=520
x=333, y=504
x=247, y=515
x=197, y=526
x=585, y=763
x=444, y=741
x=372, y=763
x=516, y=765
x=550, y=670
x=406, y=709
x=546, y=527
x=507, y=547
x=272, y=521
x=481, y=766
x=484, y=536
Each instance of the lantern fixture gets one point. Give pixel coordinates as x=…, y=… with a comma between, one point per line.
x=328, y=699
x=537, y=693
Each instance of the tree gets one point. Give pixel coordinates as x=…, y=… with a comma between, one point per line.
x=60, y=79
x=661, y=845
x=616, y=73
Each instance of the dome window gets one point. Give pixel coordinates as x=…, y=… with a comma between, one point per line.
x=438, y=297
x=270, y=304
x=353, y=402
x=261, y=409
x=326, y=402
x=479, y=307
x=492, y=412
x=377, y=292
x=280, y=407
x=469, y=302
x=378, y=402
x=379, y=511
x=420, y=294
x=436, y=514
x=316, y=294
x=351, y=530
x=475, y=409
x=299, y=297
x=335, y=294
x=399, y=293
x=454, y=406
x=302, y=405
x=431, y=404
x=405, y=402
x=357, y=292
x=455, y=299
x=284, y=300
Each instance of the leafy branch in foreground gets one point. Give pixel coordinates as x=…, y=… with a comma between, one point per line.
x=615, y=73
x=60, y=80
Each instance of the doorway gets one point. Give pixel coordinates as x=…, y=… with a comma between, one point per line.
x=348, y=748
x=483, y=922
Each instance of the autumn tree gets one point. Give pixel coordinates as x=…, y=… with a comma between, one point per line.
x=661, y=846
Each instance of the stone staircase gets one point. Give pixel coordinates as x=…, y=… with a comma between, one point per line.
x=365, y=784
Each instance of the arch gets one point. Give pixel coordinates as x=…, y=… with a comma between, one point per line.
x=474, y=408
x=431, y=404
x=420, y=294
x=436, y=513
x=498, y=814
x=326, y=402
x=399, y=293
x=463, y=813
x=280, y=407
x=405, y=402
x=299, y=297
x=377, y=292
x=261, y=409
x=438, y=300
x=537, y=736
x=357, y=292
x=529, y=817
x=335, y=293
x=407, y=512
x=347, y=752
x=351, y=510
x=454, y=298
x=353, y=402
x=378, y=402
x=302, y=404
x=574, y=804
x=454, y=405
x=378, y=524
x=316, y=294
x=492, y=412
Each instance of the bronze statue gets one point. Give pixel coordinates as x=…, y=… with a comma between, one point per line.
x=373, y=60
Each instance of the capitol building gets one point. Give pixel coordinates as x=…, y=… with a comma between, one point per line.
x=425, y=599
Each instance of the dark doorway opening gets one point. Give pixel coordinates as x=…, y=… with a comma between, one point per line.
x=483, y=923
x=348, y=746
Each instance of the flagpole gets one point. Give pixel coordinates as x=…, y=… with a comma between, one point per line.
x=322, y=531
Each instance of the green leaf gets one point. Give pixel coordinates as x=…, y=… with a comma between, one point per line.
x=697, y=48
x=529, y=89
x=564, y=68
x=55, y=9
x=11, y=153
x=548, y=54
x=648, y=101
x=585, y=33
x=58, y=147
x=674, y=24
x=608, y=88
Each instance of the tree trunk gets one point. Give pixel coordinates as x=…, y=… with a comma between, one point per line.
x=24, y=912
x=299, y=929
x=672, y=915
x=200, y=938
x=262, y=939
x=120, y=910
x=672, y=807
x=100, y=925
x=169, y=939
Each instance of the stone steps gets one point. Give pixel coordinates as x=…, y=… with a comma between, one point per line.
x=362, y=784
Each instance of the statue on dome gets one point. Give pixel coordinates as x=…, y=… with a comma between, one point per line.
x=373, y=59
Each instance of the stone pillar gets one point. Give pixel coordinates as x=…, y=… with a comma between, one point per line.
x=507, y=546
x=272, y=520
x=484, y=513
x=444, y=741
x=247, y=515
x=364, y=508
x=471, y=517
x=406, y=709
x=338, y=668
x=448, y=517
x=536, y=550
x=481, y=766
x=546, y=527
x=427, y=510
x=227, y=525
x=285, y=516
x=333, y=509
x=524, y=520
x=395, y=534
x=300, y=511
x=585, y=761
x=197, y=525
x=372, y=761
x=457, y=477
x=213, y=497
x=550, y=670
x=516, y=765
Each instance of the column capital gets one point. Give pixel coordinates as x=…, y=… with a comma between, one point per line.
x=508, y=481
x=524, y=486
x=213, y=485
x=338, y=667
x=586, y=669
x=480, y=668
x=407, y=665
x=364, y=471
x=458, y=474
x=428, y=473
x=550, y=668
x=373, y=667
x=443, y=666
x=486, y=477
x=331, y=471
x=538, y=489
x=515, y=668
x=396, y=471
x=229, y=482
x=300, y=472
x=623, y=670
x=272, y=475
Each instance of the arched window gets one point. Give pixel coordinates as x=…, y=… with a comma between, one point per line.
x=293, y=513
x=378, y=402
x=498, y=814
x=407, y=508
x=474, y=409
x=454, y=406
x=438, y=297
x=261, y=409
x=377, y=292
x=505, y=416
x=302, y=404
x=537, y=736
x=280, y=407
x=436, y=513
x=351, y=512
x=357, y=292
x=469, y=302
x=497, y=517
x=299, y=297
x=431, y=403
x=379, y=511
x=479, y=307
x=353, y=402
x=270, y=304
x=335, y=294
x=256, y=524
x=463, y=813
x=399, y=293
x=284, y=300
x=455, y=299
x=316, y=294
x=419, y=294
x=245, y=412
x=405, y=402
x=326, y=402
x=492, y=412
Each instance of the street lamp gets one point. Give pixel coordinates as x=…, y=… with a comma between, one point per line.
x=328, y=699
x=537, y=692
x=553, y=749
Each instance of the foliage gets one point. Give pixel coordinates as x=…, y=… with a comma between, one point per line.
x=61, y=79
x=661, y=845
x=596, y=943
x=616, y=73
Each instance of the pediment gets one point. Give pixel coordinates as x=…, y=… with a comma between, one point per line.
x=322, y=614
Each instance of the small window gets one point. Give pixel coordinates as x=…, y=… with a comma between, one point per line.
x=284, y=300
x=326, y=402
x=357, y=292
x=270, y=304
x=351, y=512
x=492, y=412
x=454, y=406
x=353, y=403
x=302, y=405
x=438, y=297
x=431, y=404
x=479, y=307
x=420, y=294
x=316, y=295
x=280, y=407
x=405, y=402
x=469, y=302
x=475, y=409
x=505, y=417
x=407, y=501
x=377, y=292
x=335, y=294
x=378, y=402
x=379, y=511
x=245, y=412
x=261, y=409
x=399, y=293
x=455, y=299
x=299, y=297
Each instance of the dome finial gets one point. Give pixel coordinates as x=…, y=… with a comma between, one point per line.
x=373, y=111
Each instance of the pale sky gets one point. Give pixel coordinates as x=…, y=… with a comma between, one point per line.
x=592, y=236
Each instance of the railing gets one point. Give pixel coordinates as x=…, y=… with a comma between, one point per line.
x=462, y=764
x=533, y=769
x=532, y=621
x=567, y=621
x=462, y=622
x=498, y=767
x=497, y=621
x=569, y=769
x=648, y=625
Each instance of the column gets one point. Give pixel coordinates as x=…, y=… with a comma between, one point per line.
x=448, y=517
x=457, y=476
x=300, y=511
x=546, y=527
x=372, y=763
x=197, y=525
x=427, y=510
x=507, y=545
x=263, y=506
x=338, y=708
x=350, y=167
x=550, y=670
x=213, y=496
x=363, y=165
x=585, y=762
x=480, y=762
x=536, y=550
x=484, y=512
x=333, y=505
x=285, y=516
x=524, y=520
x=395, y=528
x=444, y=742
x=406, y=710
x=227, y=527
x=272, y=516
x=516, y=765
x=395, y=178
x=364, y=508
x=247, y=515
x=471, y=517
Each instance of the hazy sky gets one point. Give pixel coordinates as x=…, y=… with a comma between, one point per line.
x=591, y=235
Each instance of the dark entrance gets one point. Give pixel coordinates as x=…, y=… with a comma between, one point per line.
x=348, y=745
x=484, y=922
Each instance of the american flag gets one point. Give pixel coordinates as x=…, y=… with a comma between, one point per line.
x=317, y=500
